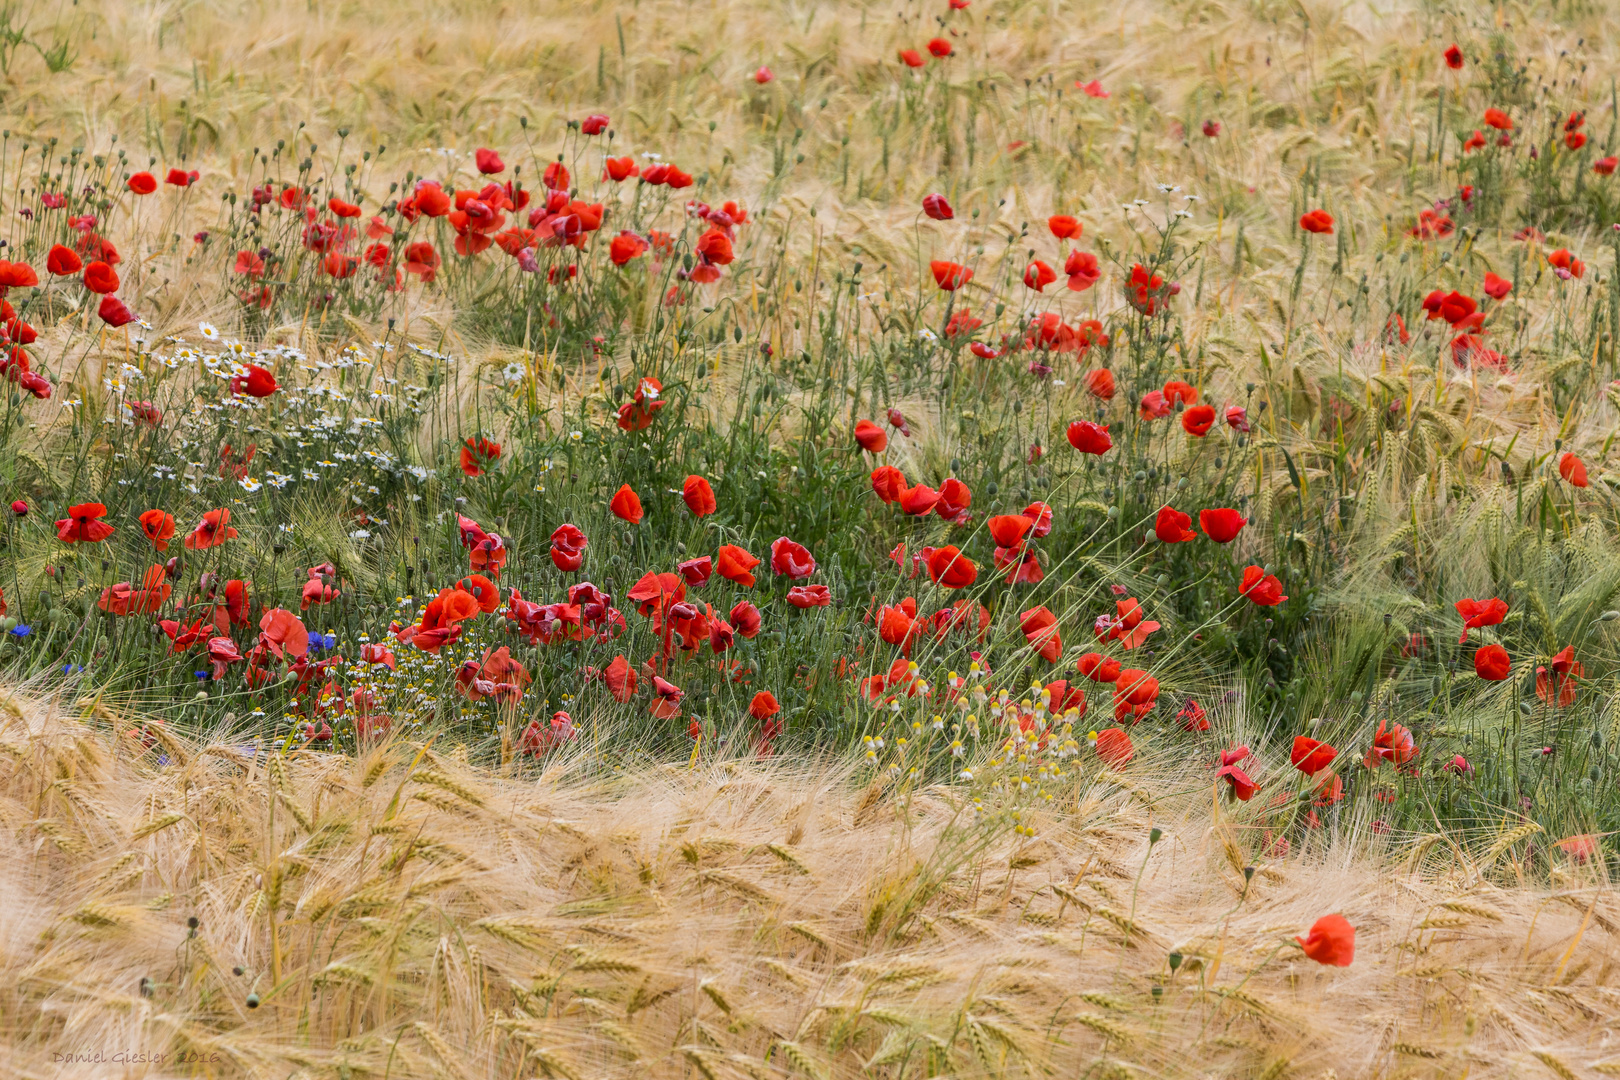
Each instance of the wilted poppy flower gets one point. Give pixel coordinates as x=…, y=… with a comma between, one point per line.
x=937, y=208
x=1172, y=526
x=950, y=276
x=158, y=527
x=1557, y=687
x=1064, y=226
x=1498, y=119
x=873, y=439
x=83, y=525
x=1198, y=420
x=1089, y=438
x=698, y=496
x=809, y=596
x=889, y=483
x=478, y=454
x=1477, y=613
x=1391, y=743
x=1037, y=275
x=1083, y=271
x=1454, y=57
x=1099, y=383
x=912, y=58
x=114, y=312
x=1316, y=221
x=1114, y=747
x=1263, y=588
x=213, y=530
x=1040, y=629
x=626, y=505
x=1239, y=782
x=1331, y=941
x=1573, y=470
x=1496, y=287
x=949, y=568
x=1222, y=524
x=790, y=559
x=1492, y=663
x=1311, y=756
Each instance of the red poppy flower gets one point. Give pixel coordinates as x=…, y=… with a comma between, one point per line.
x=213, y=530
x=1316, y=221
x=954, y=500
x=594, y=124
x=1040, y=628
x=950, y=276
x=790, y=559
x=1008, y=530
x=114, y=312
x=1037, y=275
x=1221, y=525
x=626, y=505
x=736, y=565
x=1311, y=756
x=1605, y=166
x=1211, y=128
x=1083, y=271
x=1454, y=57
x=1263, y=588
x=63, y=261
x=1240, y=784
x=809, y=596
x=698, y=496
x=181, y=178
x=142, y=183
x=918, y=500
x=1089, y=438
x=1176, y=390
x=912, y=58
x=258, y=382
x=950, y=569
x=1492, y=663
x=1496, y=287
x=1198, y=420
x=158, y=527
x=489, y=162
x=1099, y=383
x=1065, y=226
x=1477, y=613
x=1575, y=140
x=1153, y=405
x=1098, y=668
x=1331, y=941
x=872, y=438
x=1114, y=747
x=889, y=483
x=100, y=278
x=478, y=455
x=937, y=208
x=939, y=48
x=1498, y=119
x=1563, y=260
x=1573, y=470
x=1041, y=515
x=1173, y=527
x=696, y=572
x=83, y=525
x=626, y=246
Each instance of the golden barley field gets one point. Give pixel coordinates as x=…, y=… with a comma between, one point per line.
x=1299, y=218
